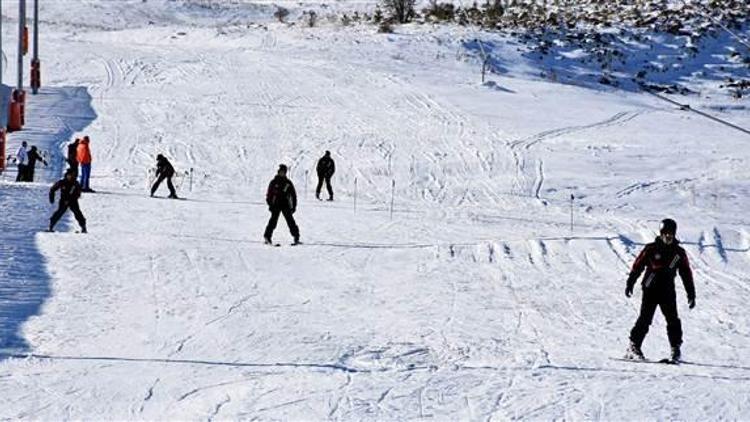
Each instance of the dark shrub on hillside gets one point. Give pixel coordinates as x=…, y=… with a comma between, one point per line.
x=439, y=11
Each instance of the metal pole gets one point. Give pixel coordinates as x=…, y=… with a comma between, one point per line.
x=36, y=30
x=21, y=25
x=35, y=58
x=191, y=179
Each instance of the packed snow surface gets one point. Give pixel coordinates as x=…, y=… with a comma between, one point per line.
x=475, y=299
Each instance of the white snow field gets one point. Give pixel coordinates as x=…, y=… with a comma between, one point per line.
x=475, y=301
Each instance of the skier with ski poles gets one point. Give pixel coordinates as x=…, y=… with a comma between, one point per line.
x=662, y=260
x=281, y=199
x=164, y=170
x=70, y=191
x=325, y=169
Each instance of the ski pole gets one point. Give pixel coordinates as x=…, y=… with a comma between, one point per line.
x=191, y=179
x=393, y=192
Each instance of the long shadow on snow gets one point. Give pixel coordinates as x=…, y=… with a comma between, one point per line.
x=52, y=117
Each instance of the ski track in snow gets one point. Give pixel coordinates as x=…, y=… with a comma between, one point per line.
x=476, y=301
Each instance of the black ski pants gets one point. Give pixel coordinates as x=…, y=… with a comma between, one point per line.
x=668, y=305
x=21, y=175
x=293, y=229
x=64, y=205
x=169, y=185
x=327, y=180
x=73, y=165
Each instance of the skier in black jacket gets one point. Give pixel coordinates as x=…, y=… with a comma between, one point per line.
x=281, y=199
x=164, y=170
x=33, y=156
x=70, y=191
x=325, y=169
x=662, y=260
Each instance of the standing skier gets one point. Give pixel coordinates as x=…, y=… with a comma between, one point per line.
x=325, y=169
x=33, y=157
x=83, y=156
x=70, y=191
x=164, y=170
x=661, y=259
x=22, y=160
x=281, y=199
x=72, y=155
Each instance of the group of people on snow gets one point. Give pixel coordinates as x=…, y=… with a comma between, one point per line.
x=26, y=160
x=79, y=161
x=281, y=196
x=661, y=260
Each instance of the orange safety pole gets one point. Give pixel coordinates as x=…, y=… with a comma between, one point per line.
x=25, y=43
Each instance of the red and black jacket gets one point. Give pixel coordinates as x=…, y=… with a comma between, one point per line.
x=662, y=262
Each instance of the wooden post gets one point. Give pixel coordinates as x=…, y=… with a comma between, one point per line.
x=572, y=198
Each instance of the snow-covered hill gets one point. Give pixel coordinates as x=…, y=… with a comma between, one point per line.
x=475, y=300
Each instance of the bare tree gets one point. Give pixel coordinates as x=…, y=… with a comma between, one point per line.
x=401, y=11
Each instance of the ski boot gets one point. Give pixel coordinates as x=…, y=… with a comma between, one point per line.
x=267, y=240
x=296, y=241
x=634, y=352
x=676, y=354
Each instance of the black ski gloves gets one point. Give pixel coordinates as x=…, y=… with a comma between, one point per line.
x=691, y=302
x=629, y=290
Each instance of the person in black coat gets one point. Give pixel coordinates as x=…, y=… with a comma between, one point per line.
x=33, y=156
x=325, y=169
x=70, y=191
x=73, y=156
x=281, y=199
x=662, y=260
x=164, y=170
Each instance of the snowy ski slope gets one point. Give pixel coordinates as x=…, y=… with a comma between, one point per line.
x=475, y=301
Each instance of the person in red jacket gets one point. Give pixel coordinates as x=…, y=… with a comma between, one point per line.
x=83, y=155
x=70, y=191
x=281, y=199
x=662, y=260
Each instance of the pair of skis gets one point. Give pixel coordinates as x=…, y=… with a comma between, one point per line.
x=279, y=244
x=665, y=361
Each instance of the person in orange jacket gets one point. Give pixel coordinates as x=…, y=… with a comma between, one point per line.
x=83, y=155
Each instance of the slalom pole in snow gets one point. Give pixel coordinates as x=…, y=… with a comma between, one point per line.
x=572, y=197
x=393, y=193
x=191, y=179
x=355, y=195
x=306, y=173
